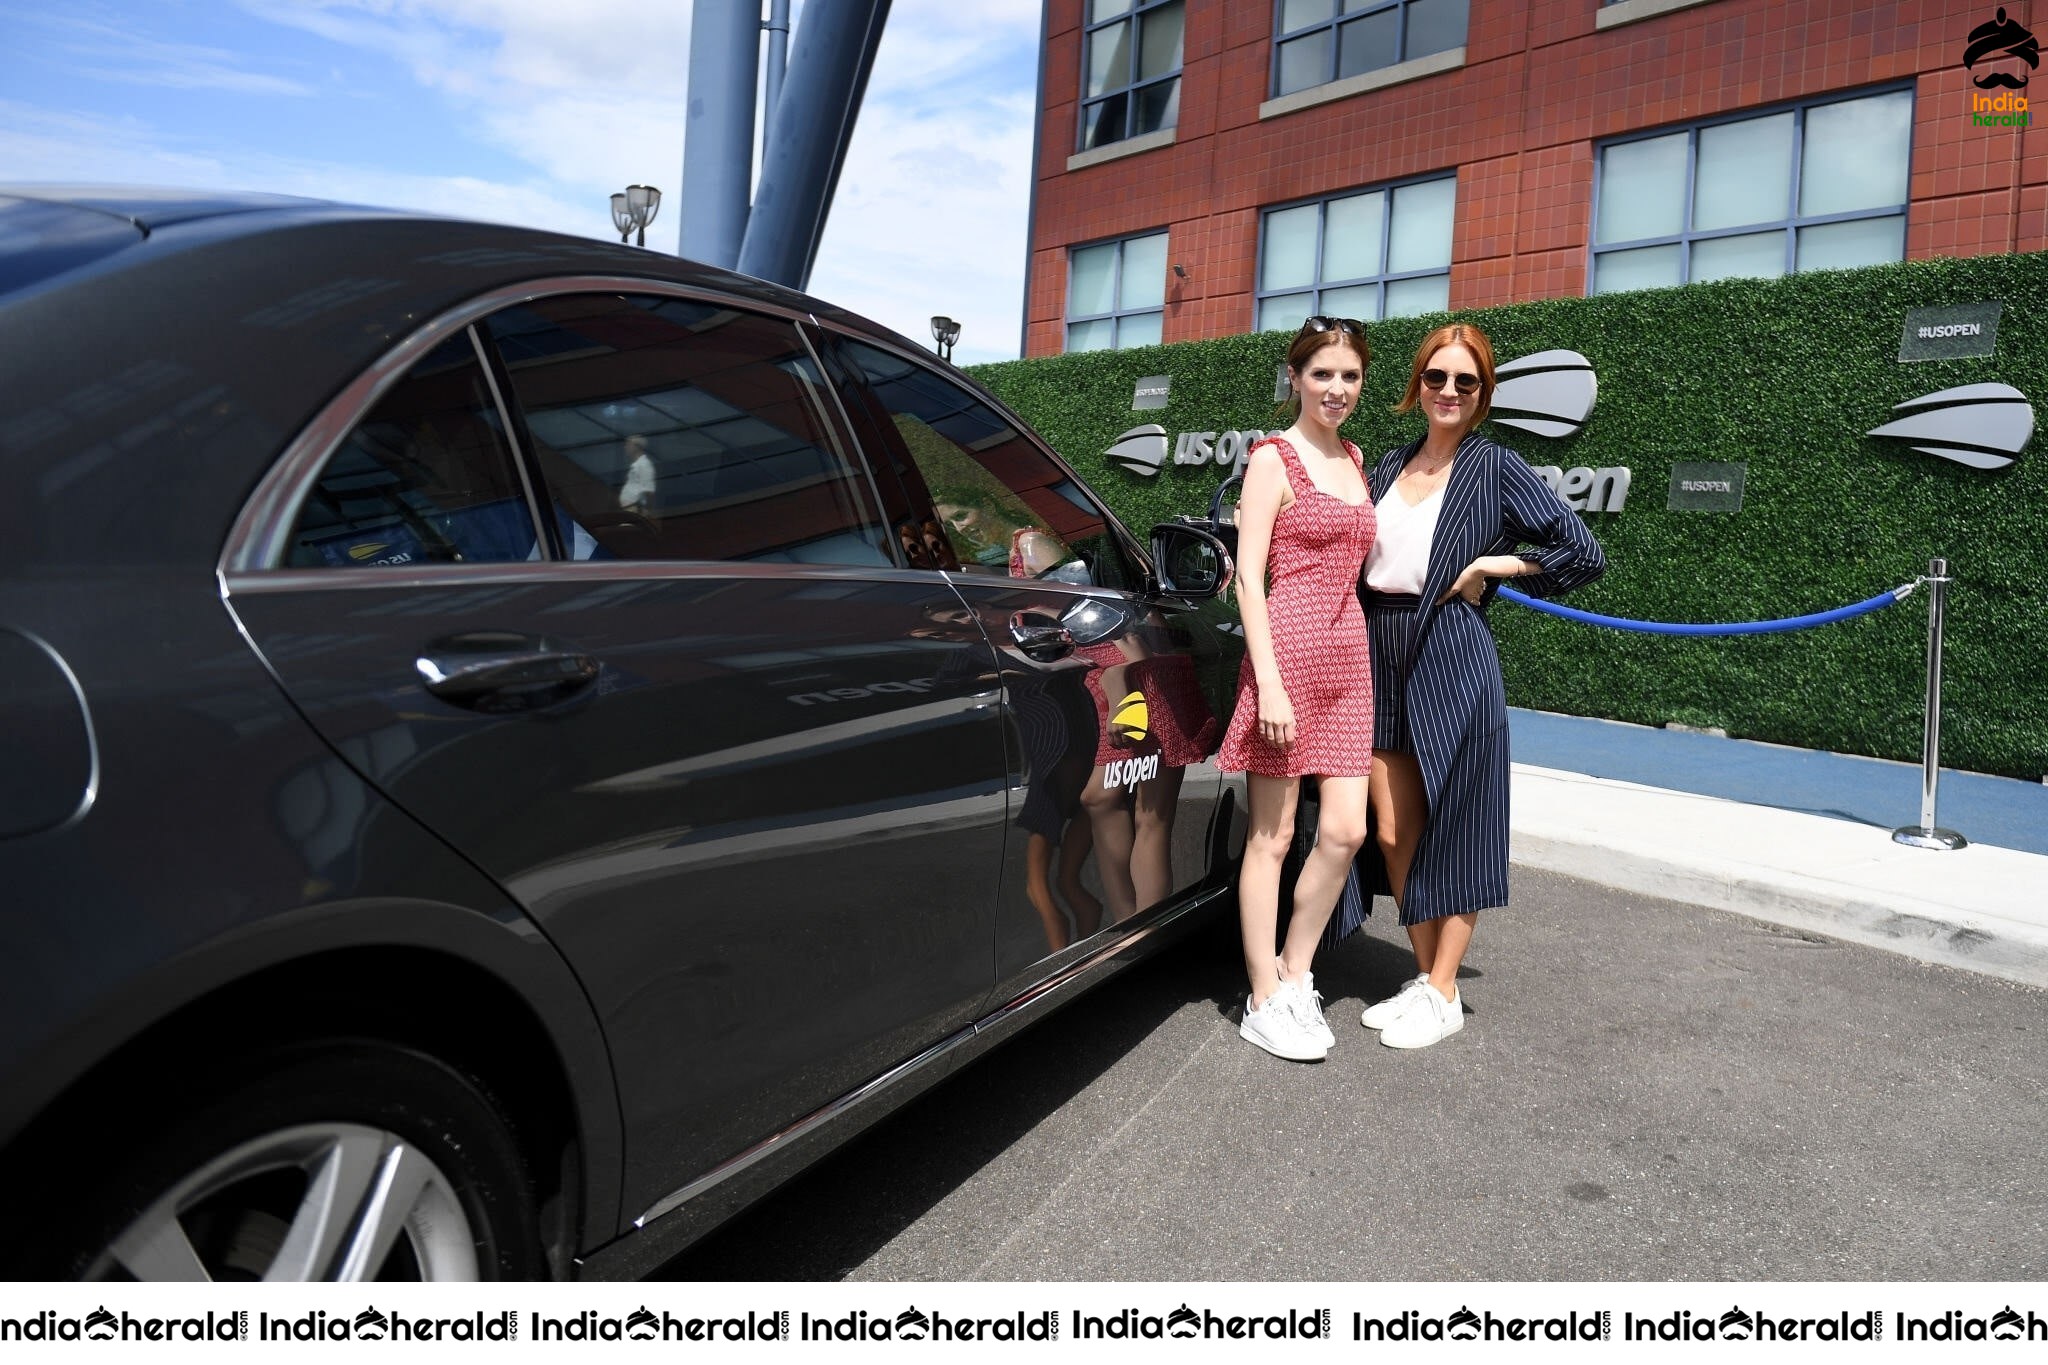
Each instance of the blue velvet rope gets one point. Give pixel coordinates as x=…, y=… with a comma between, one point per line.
x=1819, y=618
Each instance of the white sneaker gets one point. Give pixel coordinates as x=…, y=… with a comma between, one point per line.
x=1308, y=1007
x=1279, y=1029
x=1431, y=1019
x=1394, y=1006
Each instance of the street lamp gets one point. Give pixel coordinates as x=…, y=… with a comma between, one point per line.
x=634, y=209
x=945, y=332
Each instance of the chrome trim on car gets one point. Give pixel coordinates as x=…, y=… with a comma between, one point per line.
x=543, y=535
x=91, y=793
x=555, y=571
x=1010, y=1013
x=257, y=542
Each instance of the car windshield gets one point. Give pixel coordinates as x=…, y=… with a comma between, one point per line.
x=39, y=240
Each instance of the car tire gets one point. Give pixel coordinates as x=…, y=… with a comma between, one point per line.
x=337, y=1160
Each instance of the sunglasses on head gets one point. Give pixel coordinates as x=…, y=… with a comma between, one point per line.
x=1322, y=324
x=1436, y=379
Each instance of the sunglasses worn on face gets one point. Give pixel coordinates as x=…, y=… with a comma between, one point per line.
x=1323, y=324
x=1436, y=379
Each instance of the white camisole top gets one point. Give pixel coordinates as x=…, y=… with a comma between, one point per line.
x=1399, y=558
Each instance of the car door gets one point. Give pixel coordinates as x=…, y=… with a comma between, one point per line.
x=601, y=593
x=1109, y=734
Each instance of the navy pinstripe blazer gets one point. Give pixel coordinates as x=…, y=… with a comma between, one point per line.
x=1456, y=703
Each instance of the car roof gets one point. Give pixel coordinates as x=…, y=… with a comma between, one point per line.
x=150, y=207
x=196, y=333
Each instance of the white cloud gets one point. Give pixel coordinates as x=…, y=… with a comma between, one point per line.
x=36, y=145
x=929, y=215
x=99, y=51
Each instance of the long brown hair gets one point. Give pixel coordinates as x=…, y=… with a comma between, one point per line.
x=1303, y=348
x=1453, y=334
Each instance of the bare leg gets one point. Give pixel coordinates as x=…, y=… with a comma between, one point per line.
x=1454, y=936
x=1340, y=831
x=1401, y=809
x=1038, y=886
x=1109, y=818
x=1258, y=880
x=1075, y=845
x=1152, y=846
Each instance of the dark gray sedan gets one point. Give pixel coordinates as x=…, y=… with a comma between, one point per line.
x=511, y=745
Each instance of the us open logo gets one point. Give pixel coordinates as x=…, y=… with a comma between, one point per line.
x=1141, y=450
x=1550, y=393
x=1984, y=426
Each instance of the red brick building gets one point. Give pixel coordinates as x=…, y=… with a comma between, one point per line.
x=1206, y=166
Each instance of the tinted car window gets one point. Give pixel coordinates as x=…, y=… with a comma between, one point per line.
x=673, y=429
x=426, y=477
x=1002, y=506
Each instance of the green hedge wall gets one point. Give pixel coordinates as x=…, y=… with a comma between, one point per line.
x=1784, y=375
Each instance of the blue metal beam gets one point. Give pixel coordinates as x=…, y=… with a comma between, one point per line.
x=718, y=129
x=833, y=52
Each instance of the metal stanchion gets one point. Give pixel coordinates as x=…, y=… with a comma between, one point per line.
x=1925, y=834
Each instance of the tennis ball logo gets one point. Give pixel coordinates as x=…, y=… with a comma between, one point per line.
x=1141, y=450
x=1132, y=720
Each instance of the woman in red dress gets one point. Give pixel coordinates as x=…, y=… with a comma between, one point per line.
x=1304, y=699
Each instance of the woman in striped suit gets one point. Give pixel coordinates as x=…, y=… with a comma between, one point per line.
x=1451, y=508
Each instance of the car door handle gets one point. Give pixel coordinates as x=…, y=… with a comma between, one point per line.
x=1041, y=637
x=500, y=672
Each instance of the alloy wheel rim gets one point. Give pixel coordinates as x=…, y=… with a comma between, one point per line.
x=323, y=1201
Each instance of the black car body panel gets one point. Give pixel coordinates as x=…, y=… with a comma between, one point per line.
x=748, y=873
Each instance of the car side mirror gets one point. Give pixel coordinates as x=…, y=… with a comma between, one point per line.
x=1192, y=563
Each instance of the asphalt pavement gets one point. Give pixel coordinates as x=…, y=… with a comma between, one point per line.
x=1644, y=1090
x=1727, y=1030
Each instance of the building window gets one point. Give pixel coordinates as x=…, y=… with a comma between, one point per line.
x=1818, y=186
x=1385, y=253
x=1319, y=41
x=1116, y=294
x=1130, y=69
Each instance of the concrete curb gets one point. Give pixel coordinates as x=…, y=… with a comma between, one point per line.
x=1980, y=908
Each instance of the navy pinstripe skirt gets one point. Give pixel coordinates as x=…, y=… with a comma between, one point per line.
x=1390, y=630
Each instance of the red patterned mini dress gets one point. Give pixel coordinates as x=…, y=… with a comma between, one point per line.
x=1319, y=546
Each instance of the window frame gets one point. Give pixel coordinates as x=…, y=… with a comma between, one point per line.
x=1117, y=313
x=1332, y=23
x=863, y=424
x=1318, y=286
x=1134, y=16
x=1790, y=225
x=255, y=557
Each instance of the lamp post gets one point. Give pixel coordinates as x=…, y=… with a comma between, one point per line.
x=945, y=332
x=634, y=209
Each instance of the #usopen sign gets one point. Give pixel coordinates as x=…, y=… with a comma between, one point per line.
x=1550, y=393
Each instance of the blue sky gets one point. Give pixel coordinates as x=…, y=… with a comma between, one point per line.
x=533, y=112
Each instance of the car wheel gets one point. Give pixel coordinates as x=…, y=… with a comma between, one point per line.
x=331, y=1161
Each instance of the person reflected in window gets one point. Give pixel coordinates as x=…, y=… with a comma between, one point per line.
x=1304, y=700
x=1457, y=513
x=636, y=494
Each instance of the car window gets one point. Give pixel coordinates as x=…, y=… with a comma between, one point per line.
x=1001, y=506
x=426, y=477
x=671, y=429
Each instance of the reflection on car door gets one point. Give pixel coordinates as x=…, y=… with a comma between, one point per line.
x=1109, y=737
x=656, y=665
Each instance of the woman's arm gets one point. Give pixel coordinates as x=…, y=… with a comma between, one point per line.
x=1564, y=554
x=1259, y=504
